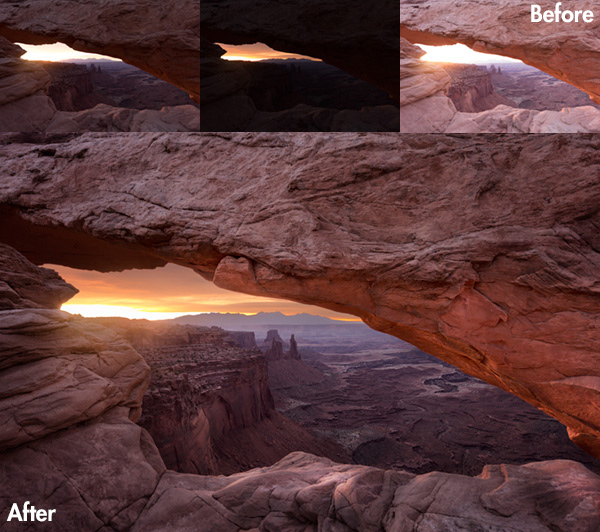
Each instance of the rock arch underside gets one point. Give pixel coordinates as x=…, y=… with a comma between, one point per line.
x=570, y=53
x=472, y=248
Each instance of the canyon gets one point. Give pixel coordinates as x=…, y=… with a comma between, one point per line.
x=491, y=270
x=570, y=54
x=208, y=407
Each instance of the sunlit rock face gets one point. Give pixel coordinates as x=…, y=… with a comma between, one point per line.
x=475, y=250
x=162, y=38
x=567, y=51
x=425, y=106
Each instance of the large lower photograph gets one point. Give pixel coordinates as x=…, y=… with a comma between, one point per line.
x=279, y=332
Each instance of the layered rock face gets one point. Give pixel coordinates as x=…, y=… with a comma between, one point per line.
x=425, y=106
x=71, y=88
x=567, y=51
x=162, y=38
x=209, y=408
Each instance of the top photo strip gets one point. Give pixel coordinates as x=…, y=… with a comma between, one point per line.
x=199, y=65
x=504, y=66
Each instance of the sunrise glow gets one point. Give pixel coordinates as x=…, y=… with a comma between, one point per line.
x=459, y=53
x=256, y=52
x=165, y=293
x=56, y=52
x=105, y=311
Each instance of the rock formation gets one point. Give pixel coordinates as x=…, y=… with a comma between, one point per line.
x=569, y=51
x=327, y=30
x=234, y=98
x=471, y=90
x=161, y=38
x=426, y=108
x=507, y=289
x=294, y=354
x=71, y=88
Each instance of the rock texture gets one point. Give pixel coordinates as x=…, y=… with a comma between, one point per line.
x=451, y=243
x=306, y=493
x=425, y=106
x=162, y=38
x=570, y=52
x=357, y=37
x=23, y=285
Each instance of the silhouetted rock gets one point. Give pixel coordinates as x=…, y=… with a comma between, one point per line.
x=294, y=354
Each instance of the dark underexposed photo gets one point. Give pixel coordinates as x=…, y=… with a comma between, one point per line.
x=299, y=66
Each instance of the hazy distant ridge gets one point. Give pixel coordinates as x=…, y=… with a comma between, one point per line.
x=262, y=318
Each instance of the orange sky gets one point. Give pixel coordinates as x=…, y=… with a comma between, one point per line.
x=256, y=52
x=246, y=52
x=165, y=293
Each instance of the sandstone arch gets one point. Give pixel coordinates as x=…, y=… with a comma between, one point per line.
x=452, y=243
x=162, y=38
x=570, y=52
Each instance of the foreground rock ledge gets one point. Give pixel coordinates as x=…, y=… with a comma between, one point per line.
x=480, y=251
